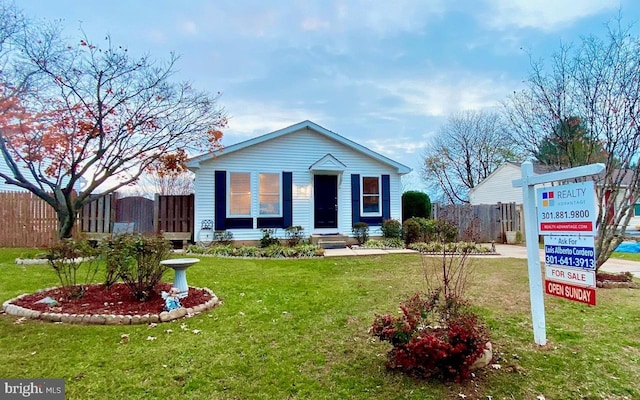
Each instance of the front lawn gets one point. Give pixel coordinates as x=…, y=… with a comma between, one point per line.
x=298, y=329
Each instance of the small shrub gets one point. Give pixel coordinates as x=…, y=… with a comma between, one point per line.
x=136, y=260
x=446, y=231
x=222, y=237
x=422, y=247
x=294, y=235
x=222, y=250
x=68, y=258
x=394, y=243
x=196, y=249
x=391, y=229
x=466, y=247
x=433, y=336
x=274, y=251
x=308, y=250
x=428, y=229
x=411, y=231
x=374, y=244
x=361, y=232
x=247, y=251
x=268, y=237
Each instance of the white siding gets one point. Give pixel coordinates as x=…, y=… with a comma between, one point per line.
x=498, y=187
x=4, y=187
x=294, y=152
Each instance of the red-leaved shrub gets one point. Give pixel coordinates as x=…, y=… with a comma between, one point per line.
x=432, y=337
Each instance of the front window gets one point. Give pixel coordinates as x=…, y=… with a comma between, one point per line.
x=270, y=194
x=239, y=193
x=371, y=195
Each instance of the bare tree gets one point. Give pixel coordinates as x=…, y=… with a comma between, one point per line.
x=470, y=146
x=168, y=175
x=95, y=114
x=599, y=82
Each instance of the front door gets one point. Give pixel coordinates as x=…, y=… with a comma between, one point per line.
x=325, y=200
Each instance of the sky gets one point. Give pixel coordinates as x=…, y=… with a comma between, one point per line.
x=385, y=74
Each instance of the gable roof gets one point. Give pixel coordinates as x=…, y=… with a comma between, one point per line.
x=194, y=162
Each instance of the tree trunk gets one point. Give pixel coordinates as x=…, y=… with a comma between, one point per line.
x=66, y=223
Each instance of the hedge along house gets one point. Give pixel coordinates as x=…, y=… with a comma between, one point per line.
x=303, y=175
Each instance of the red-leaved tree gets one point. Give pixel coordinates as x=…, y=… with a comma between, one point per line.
x=82, y=119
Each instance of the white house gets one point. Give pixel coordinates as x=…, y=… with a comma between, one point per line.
x=5, y=187
x=498, y=188
x=303, y=175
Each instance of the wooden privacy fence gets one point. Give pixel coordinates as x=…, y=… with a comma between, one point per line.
x=170, y=216
x=483, y=222
x=27, y=221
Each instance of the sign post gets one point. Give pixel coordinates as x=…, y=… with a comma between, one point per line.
x=528, y=182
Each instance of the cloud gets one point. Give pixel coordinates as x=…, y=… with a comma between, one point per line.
x=250, y=119
x=395, y=146
x=445, y=93
x=188, y=27
x=546, y=15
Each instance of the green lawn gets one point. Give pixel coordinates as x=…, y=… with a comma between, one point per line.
x=626, y=256
x=298, y=329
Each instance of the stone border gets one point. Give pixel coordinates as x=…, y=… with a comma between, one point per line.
x=617, y=285
x=108, y=319
x=41, y=261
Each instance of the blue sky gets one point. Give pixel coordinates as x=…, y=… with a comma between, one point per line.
x=383, y=73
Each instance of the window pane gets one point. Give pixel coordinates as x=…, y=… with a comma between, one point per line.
x=370, y=185
x=370, y=194
x=269, y=194
x=636, y=210
x=239, y=193
x=370, y=204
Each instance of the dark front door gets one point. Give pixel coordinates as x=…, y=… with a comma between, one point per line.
x=325, y=200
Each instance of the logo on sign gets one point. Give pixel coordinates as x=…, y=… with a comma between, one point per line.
x=547, y=199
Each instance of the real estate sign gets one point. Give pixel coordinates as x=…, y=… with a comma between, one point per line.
x=566, y=216
x=567, y=209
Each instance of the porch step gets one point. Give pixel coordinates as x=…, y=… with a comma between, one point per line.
x=335, y=241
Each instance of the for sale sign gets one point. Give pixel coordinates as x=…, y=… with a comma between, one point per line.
x=566, y=209
x=570, y=275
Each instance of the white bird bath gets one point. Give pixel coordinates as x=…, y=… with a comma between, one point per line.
x=180, y=266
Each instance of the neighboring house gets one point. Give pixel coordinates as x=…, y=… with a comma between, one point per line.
x=5, y=187
x=303, y=175
x=498, y=188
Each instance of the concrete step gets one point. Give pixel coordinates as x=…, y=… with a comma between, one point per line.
x=332, y=244
x=334, y=241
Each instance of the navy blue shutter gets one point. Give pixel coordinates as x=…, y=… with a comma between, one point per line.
x=287, y=199
x=355, y=199
x=221, y=220
x=220, y=200
x=386, y=197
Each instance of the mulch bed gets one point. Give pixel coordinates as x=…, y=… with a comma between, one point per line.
x=118, y=299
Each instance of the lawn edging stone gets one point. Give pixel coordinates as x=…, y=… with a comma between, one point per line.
x=108, y=319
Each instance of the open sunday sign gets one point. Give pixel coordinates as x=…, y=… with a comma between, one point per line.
x=567, y=209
